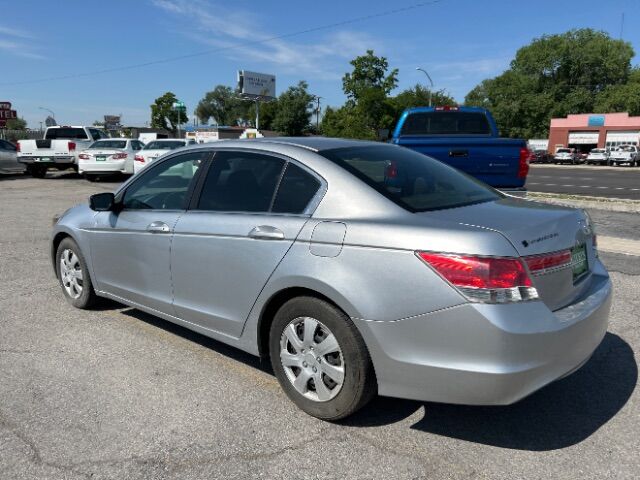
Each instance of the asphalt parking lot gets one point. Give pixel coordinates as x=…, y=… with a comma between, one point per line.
x=115, y=393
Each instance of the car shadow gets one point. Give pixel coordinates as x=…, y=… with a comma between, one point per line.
x=562, y=414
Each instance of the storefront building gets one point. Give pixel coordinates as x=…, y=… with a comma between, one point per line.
x=594, y=130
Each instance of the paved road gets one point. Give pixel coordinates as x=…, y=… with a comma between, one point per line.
x=614, y=182
x=115, y=393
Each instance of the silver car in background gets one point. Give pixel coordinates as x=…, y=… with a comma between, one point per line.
x=356, y=268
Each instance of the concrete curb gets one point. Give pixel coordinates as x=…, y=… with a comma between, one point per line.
x=596, y=203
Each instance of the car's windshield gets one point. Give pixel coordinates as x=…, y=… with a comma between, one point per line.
x=626, y=148
x=109, y=144
x=446, y=123
x=164, y=145
x=412, y=180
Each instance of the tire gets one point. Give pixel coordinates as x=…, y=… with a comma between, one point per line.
x=77, y=290
x=36, y=172
x=349, y=354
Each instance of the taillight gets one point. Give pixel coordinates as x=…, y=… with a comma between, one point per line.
x=391, y=170
x=83, y=156
x=523, y=165
x=484, y=279
x=446, y=108
x=541, y=263
x=72, y=146
x=18, y=147
x=138, y=158
x=119, y=156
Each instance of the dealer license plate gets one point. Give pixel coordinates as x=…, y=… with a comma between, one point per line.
x=101, y=158
x=579, y=261
x=43, y=159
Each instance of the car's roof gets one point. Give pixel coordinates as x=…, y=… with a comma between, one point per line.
x=315, y=144
x=168, y=140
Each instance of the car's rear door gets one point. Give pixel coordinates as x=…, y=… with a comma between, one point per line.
x=245, y=215
x=130, y=249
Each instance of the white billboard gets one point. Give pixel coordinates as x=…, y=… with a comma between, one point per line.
x=253, y=84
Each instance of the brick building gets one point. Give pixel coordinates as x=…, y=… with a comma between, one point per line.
x=594, y=130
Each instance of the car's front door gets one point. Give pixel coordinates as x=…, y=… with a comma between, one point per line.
x=249, y=211
x=8, y=162
x=130, y=248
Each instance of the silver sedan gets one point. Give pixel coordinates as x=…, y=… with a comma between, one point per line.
x=355, y=268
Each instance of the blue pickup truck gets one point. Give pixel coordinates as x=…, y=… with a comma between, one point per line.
x=467, y=139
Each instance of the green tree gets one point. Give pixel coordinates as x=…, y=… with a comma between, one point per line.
x=368, y=108
x=621, y=98
x=16, y=124
x=294, y=110
x=268, y=111
x=163, y=115
x=223, y=104
x=418, y=96
x=554, y=76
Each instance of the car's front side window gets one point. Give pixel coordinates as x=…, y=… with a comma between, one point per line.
x=164, y=186
x=241, y=182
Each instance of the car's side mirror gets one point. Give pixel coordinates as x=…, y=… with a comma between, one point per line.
x=102, y=202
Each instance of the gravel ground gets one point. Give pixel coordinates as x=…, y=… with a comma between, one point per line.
x=116, y=393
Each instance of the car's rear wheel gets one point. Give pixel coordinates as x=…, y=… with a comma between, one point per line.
x=320, y=359
x=73, y=275
x=36, y=171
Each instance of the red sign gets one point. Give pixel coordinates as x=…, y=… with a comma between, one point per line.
x=6, y=113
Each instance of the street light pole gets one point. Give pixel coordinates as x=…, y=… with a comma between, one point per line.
x=53, y=115
x=317, y=99
x=430, y=81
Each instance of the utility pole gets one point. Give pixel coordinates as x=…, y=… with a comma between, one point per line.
x=430, y=81
x=257, y=114
x=317, y=99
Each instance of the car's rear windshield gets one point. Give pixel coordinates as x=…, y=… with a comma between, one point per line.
x=414, y=181
x=446, y=123
x=64, y=133
x=597, y=150
x=165, y=145
x=109, y=144
x=563, y=150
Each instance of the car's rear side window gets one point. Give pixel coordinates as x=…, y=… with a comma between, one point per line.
x=446, y=123
x=296, y=190
x=77, y=133
x=412, y=180
x=240, y=182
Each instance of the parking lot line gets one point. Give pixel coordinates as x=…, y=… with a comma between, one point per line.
x=624, y=246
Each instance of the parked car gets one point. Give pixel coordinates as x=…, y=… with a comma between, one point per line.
x=113, y=155
x=58, y=149
x=466, y=138
x=566, y=155
x=541, y=156
x=355, y=267
x=154, y=150
x=598, y=156
x=625, y=154
x=8, y=158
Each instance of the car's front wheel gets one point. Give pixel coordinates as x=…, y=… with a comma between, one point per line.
x=73, y=275
x=320, y=359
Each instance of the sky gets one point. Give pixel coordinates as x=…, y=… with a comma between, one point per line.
x=73, y=57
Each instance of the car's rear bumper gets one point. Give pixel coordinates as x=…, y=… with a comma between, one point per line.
x=113, y=166
x=481, y=354
x=44, y=161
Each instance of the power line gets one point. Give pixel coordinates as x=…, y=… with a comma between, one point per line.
x=230, y=47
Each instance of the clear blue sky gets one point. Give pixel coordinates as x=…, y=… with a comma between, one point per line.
x=460, y=42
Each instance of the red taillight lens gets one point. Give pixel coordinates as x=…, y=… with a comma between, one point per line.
x=83, y=156
x=18, y=147
x=72, y=146
x=538, y=263
x=478, y=272
x=139, y=158
x=525, y=158
x=391, y=170
x=119, y=156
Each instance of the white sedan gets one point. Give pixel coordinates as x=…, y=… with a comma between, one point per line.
x=111, y=155
x=155, y=149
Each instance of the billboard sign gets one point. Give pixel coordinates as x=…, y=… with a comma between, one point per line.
x=112, y=122
x=6, y=113
x=596, y=121
x=253, y=85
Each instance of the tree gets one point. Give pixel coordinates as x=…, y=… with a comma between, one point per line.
x=368, y=108
x=555, y=75
x=268, y=111
x=224, y=105
x=294, y=110
x=16, y=124
x=163, y=115
x=621, y=98
x=418, y=96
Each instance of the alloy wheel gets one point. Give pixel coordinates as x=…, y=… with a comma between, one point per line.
x=71, y=273
x=312, y=359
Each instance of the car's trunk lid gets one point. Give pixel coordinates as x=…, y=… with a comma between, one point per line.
x=536, y=229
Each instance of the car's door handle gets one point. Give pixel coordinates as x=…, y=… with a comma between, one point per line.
x=458, y=153
x=158, y=227
x=266, y=232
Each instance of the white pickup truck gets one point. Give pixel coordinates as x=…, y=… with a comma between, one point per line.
x=58, y=149
x=625, y=154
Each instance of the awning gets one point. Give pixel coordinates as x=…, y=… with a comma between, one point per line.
x=583, y=138
x=624, y=136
